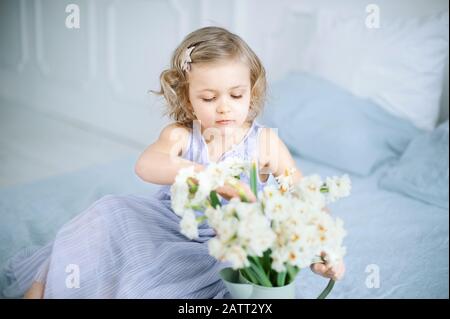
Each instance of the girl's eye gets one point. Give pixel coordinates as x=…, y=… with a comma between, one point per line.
x=213, y=98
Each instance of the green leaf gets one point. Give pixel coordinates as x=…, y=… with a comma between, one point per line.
x=214, y=199
x=281, y=277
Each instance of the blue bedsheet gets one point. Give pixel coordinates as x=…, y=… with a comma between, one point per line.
x=404, y=239
x=31, y=214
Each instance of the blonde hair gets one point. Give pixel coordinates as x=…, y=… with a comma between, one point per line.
x=212, y=44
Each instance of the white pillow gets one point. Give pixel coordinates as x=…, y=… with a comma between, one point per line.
x=399, y=65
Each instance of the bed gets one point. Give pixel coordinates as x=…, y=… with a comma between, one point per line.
x=401, y=239
x=404, y=240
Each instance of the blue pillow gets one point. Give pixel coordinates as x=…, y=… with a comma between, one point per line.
x=320, y=121
x=422, y=171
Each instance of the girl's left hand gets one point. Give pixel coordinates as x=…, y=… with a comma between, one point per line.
x=327, y=271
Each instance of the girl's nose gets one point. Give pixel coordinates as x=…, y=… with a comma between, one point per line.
x=223, y=107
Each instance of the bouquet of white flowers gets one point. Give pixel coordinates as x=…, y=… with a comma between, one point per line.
x=286, y=229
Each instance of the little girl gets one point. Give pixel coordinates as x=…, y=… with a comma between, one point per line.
x=131, y=246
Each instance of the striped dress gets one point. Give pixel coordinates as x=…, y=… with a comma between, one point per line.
x=128, y=246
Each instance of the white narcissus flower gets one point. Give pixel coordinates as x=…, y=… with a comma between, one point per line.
x=227, y=229
x=311, y=183
x=189, y=225
x=180, y=190
x=288, y=220
x=204, y=188
x=237, y=166
x=286, y=180
x=180, y=198
x=237, y=256
x=277, y=207
x=309, y=190
x=338, y=187
x=254, y=231
x=214, y=216
x=333, y=255
x=216, y=248
x=279, y=258
x=332, y=244
x=217, y=175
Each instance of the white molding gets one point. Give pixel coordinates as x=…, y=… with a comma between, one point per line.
x=41, y=63
x=106, y=100
x=24, y=51
x=110, y=48
x=93, y=41
x=24, y=38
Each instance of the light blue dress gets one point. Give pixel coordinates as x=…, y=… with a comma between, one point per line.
x=127, y=246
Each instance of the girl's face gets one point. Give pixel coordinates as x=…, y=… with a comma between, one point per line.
x=219, y=94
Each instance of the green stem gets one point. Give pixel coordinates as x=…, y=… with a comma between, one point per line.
x=253, y=184
x=281, y=277
x=241, y=193
x=259, y=271
x=292, y=271
x=249, y=275
x=266, y=261
x=197, y=207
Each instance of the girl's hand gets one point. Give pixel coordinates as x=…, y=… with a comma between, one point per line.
x=228, y=192
x=324, y=270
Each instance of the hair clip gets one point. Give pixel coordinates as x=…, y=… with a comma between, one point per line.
x=185, y=63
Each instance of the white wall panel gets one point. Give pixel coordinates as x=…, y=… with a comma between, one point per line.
x=99, y=74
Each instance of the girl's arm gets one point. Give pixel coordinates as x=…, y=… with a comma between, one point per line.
x=274, y=156
x=161, y=161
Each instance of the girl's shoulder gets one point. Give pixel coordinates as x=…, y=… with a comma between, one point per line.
x=175, y=133
x=176, y=128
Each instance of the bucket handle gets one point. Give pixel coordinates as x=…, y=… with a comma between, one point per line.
x=327, y=289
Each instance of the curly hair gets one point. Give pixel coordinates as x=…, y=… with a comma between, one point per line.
x=212, y=44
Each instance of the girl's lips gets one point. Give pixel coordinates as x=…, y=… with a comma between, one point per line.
x=224, y=122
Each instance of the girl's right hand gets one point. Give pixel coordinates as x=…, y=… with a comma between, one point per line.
x=228, y=192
